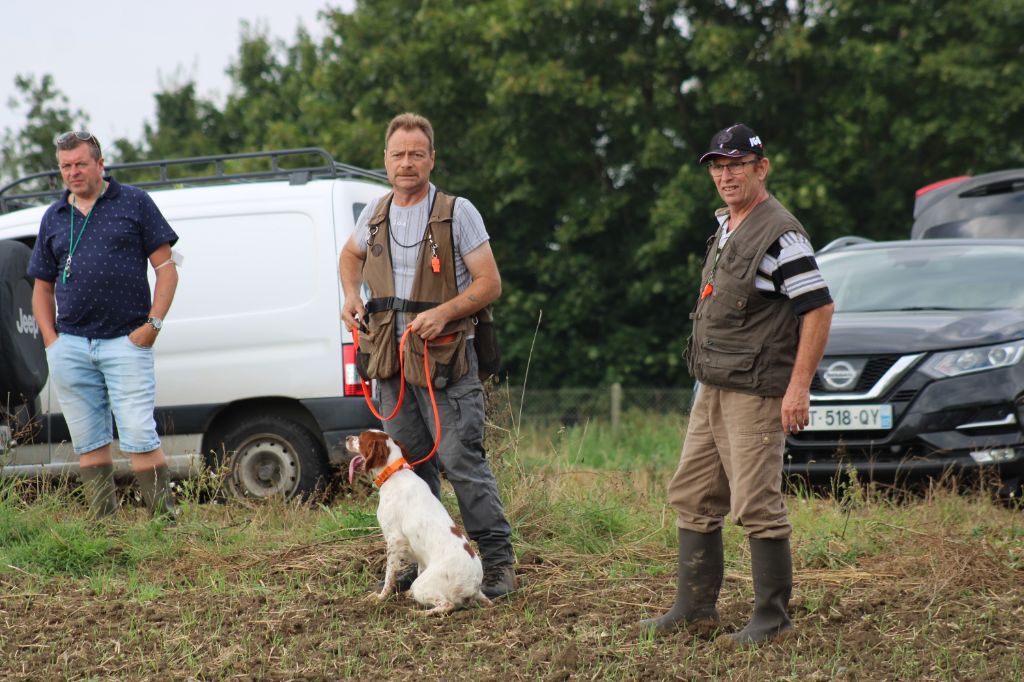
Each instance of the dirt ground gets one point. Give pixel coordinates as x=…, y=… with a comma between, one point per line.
x=934, y=608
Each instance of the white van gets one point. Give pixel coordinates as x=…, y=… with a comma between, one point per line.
x=253, y=359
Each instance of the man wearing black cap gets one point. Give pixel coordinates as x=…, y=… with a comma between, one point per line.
x=760, y=324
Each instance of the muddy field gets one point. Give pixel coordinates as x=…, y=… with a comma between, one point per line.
x=943, y=601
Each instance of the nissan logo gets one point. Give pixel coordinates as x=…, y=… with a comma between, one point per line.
x=839, y=375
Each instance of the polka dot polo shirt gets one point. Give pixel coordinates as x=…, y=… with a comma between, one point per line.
x=107, y=294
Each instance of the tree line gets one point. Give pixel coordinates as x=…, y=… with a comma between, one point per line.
x=575, y=125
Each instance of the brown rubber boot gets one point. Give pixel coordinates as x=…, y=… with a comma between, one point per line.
x=698, y=581
x=155, y=485
x=772, y=567
x=100, y=493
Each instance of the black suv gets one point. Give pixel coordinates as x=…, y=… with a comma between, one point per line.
x=923, y=372
x=990, y=205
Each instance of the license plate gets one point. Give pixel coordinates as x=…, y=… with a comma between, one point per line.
x=850, y=418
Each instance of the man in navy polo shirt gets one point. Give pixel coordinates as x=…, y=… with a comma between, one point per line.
x=92, y=303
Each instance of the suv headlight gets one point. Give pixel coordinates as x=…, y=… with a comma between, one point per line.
x=967, y=360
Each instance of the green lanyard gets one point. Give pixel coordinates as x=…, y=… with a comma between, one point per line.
x=72, y=243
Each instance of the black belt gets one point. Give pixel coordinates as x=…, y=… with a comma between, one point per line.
x=401, y=305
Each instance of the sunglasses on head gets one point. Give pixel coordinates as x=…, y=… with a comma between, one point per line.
x=66, y=138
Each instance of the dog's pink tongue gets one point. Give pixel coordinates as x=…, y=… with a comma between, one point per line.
x=356, y=461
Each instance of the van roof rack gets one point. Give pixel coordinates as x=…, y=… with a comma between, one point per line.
x=45, y=187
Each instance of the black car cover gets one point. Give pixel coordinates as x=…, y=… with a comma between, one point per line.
x=23, y=370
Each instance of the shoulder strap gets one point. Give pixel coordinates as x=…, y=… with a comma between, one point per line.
x=442, y=216
x=443, y=208
x=380, y=213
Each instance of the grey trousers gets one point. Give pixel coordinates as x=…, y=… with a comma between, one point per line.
x=460, y=453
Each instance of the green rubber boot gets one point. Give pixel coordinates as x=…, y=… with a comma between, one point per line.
x=155, y=485
x=100, y=493
x=772, y=566
x=698, y=581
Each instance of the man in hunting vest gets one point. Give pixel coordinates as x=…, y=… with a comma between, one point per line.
x=760, y=324
x=425, y=257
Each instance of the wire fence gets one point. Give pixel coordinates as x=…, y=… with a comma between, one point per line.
x=571, y=406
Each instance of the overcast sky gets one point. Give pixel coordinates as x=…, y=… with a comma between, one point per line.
x=111, y=57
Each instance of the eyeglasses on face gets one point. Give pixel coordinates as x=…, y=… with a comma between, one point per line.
x=735, y=167
x=65, y=139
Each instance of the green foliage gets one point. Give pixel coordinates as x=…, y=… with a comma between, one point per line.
x=641, y=442
x=31, y=150
x=73, y=548
x=50, y=535
x=187, y=126
x=574, y=127
x=866, y=102
x=346, y=522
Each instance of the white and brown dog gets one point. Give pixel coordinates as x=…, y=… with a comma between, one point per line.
x=417, y=528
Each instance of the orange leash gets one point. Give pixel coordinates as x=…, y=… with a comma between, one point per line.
x=401, y=391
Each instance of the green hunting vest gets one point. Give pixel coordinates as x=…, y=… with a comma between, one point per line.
x=742, y=340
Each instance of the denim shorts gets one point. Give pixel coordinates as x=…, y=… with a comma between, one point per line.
x=95, y=378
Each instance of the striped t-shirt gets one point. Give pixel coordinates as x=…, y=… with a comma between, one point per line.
x=789, y=269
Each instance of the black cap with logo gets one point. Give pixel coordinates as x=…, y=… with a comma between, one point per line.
x=736, y=140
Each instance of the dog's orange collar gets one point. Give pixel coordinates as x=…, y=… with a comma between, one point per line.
x=397, y=465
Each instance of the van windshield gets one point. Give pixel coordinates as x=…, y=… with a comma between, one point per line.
x=922, y=276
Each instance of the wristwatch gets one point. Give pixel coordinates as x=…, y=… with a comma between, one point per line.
x=156, y=323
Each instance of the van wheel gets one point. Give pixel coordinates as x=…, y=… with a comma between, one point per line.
x=272, y=456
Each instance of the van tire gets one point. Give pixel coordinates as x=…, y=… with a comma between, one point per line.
x=23, y=369
x=273, y=457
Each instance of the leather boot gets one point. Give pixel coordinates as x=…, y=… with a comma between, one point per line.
x=155, y=485
x=499, y=580
x=100, y=493
x=698, y=581
x=772, y=567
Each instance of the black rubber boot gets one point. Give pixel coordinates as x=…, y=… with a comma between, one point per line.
x=155, y=485
x=698, y=581
x=772, y=567
x=100, y=493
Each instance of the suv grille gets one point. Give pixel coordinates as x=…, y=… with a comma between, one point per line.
x=875, y=368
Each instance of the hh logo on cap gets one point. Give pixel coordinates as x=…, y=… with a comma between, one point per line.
x=755, y=141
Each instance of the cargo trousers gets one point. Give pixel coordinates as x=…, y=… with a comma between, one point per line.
x=460, y=453
x=731, y=461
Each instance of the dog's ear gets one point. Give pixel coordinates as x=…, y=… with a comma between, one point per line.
x=377, y=453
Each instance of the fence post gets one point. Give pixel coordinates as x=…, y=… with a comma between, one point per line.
x=616, y=405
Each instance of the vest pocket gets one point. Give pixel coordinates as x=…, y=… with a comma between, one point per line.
x=377, y=355
x=737, y=261
x=728, y=366
x=728, y=307
x=447, y=359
